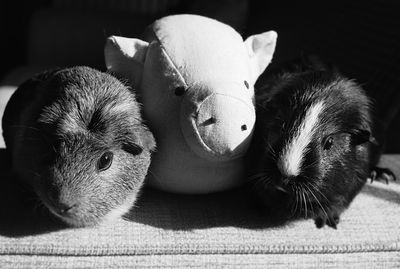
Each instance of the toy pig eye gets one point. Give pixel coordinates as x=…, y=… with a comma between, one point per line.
x=179, y=91
x=105, y=161
x=246, y=84
x=328, y=143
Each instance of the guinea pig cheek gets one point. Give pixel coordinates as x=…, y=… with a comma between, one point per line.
x=93, y=199
x=340, y=146
x=123, y=182
x=332, y=160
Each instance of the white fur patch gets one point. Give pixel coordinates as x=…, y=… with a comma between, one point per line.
x=292, y=155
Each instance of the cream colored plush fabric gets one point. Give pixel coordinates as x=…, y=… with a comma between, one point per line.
x=195, y=77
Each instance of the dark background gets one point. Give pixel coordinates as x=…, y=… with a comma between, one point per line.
x=362, y=38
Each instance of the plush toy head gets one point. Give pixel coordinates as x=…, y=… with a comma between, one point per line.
x=196, y=79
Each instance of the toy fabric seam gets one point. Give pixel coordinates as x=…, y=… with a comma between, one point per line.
x=223, y=94
x=170, y=61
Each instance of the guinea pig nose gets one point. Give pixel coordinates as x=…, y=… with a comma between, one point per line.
x=65, y=208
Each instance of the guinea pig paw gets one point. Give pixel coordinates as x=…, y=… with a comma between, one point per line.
x=382, y=174
x=330, y=218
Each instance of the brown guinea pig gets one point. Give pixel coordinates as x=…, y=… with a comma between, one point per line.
x=76, y=136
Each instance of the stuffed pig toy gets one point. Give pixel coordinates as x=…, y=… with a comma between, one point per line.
x=196, y=78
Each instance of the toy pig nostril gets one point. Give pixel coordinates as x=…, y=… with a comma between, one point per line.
x=209, y=121
x=244, y=127
x=246, y=84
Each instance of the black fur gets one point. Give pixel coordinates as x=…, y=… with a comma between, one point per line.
x=59, y=124
x=332, y=173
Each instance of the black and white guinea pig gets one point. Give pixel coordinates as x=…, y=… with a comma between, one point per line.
x=314, y=145
x=76, y=136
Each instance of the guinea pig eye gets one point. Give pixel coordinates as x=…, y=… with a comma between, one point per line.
x=328, y=143
x=105, y=161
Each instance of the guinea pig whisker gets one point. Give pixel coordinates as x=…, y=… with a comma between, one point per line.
x=311, y=203
x=261, y=106
x=305, y=202
x=263, y=181
x=295, y=202
x=307, y=177
x=315, y=188
x=320, y=205
x=270, y=147
x=298, y=200
x=271, y=151
x=319, y=192
x=268, y=144
x=255, y=176
x=310, y=165
x=311, y=192
x=301, y=201
x=262, y=174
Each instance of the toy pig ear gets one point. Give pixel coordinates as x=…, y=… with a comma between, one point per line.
x=125, y=57
x=261, y=48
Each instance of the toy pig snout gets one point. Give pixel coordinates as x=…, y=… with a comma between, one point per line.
x=217, y=126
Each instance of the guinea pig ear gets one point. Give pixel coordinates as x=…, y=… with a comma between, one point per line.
x=359, y=136
x=260, y=48
x=141, y=139
x=147, y=140
x=132, y=148
x=125, y=57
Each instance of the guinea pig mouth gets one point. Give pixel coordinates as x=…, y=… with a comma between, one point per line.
x=67, y=213
x=71, y=214
x=75, y=217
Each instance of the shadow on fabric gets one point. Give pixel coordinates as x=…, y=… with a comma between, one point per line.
x=20, y=212
x=235, y=208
